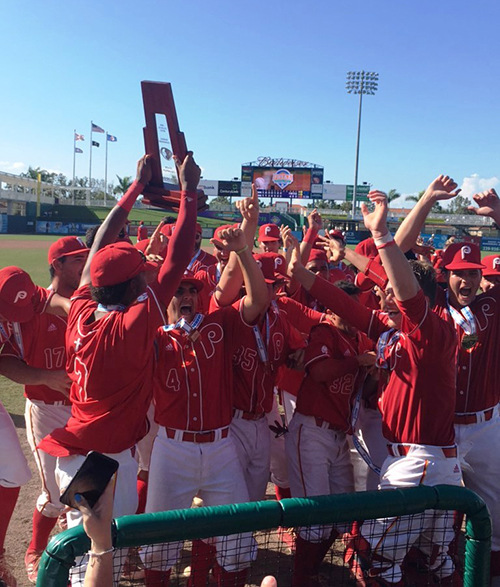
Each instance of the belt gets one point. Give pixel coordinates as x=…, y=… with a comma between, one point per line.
x=474, y=418
x=247, y=415
x=401, y=450
x=324, y=424
x=198, y=437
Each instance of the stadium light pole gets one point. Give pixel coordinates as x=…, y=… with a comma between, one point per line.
x=360, y=82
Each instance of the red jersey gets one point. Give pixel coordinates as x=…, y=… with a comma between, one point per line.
x=303, y=319
x=418, y=401
x=478, y=369
x=332, y=400
x=39, y=301
x=193, y=383
x=142, y=233
x=210, y=277
x=201, y=261
x=254, y=379
x=110, y=360
x=341, y=272
x=40, y=343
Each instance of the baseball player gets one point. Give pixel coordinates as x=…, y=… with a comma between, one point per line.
x=269, y=238
x=419, y=429
x=317, y=449
x=112, y=324
x=36, y=357
x=476, y=321
x=20, y=301
x=142, y=232
x=194, y=452
x=491, y=272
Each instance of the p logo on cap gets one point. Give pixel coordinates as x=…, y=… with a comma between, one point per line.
x=16, y=293
x=462, y=256
x=465, y=251
x=496, y=261
x=21, y=295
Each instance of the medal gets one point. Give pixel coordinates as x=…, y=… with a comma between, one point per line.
x=469, y=341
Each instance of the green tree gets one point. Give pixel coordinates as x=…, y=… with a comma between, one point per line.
x=123, y=184
x=392, y=195
x=437, y=208
x=458, y=205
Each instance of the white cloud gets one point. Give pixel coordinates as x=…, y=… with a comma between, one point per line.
x=10, y=167
x=474, y=184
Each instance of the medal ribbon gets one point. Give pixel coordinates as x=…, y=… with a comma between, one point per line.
x=183, y=324
x=193, y=260
x=4, y=332
x=387, y=339
x=111, y=308
x=261, y=347
x=464, y=318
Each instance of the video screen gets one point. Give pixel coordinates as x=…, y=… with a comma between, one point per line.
x=279, y=182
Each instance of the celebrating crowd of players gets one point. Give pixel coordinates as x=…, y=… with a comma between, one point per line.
x=174, y=365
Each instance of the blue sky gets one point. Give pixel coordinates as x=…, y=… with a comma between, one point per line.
x=258, y=78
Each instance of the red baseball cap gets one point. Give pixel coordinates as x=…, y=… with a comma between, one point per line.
x=318, y=255
x=16, y=291
x=66, y=246
x=492, y=264
x=336, y=234
x=462, y=256
x=167, y=229
x=367, y=248
x=268, y=233
x=218, y=230
x=190, y=278
x=118, y=263
x=273, y=266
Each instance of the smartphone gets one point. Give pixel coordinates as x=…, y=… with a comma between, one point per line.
x=90, y=480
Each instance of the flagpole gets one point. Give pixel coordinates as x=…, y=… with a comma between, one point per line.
x=90, y=167
x=74, y=155
x=106, y=169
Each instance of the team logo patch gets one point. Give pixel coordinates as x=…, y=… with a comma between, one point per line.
x=51, y=328
x=324, y=349
x=496, y=263
x=21, y=295
x=282, y=178
x=456, y=469
x=466, y=250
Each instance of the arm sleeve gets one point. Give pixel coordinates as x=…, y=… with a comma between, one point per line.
x=40, y=299
x=302, y=317
x=416, y=312
x=344, y=306
x=321, y=349
x=180, y=249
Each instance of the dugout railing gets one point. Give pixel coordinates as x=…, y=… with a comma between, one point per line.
x=266, y=516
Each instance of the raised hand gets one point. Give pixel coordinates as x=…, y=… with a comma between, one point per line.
x=231, y=239
x=189, y=172
x=156, y=243
x=315, y=221
x=442, y=188
x=376, y=221
x=286, y=236
x=295, y=262
x=249, y=207
x=488, y=204
x=334, y=246
x=144, y=172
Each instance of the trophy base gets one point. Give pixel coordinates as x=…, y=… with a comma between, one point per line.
x=170, y=199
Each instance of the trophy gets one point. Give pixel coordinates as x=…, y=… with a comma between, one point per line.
x=163, y=140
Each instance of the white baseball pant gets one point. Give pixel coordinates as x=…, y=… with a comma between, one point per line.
x=318, y=464
x=41, y=420
x=279, y=469
x=181, y=470
x=14, y=468
x=253, y=445
x=125, y=503
x=391, y=538
x=480, y=458
x=145, y=445
x=369, y=433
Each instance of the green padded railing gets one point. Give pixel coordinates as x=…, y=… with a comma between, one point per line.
x=139, y=530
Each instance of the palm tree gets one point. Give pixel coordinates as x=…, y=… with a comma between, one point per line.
x=436, y=208
x=392, y=195
x=123, y=184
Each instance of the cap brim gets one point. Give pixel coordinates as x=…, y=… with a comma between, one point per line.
x=269, y=239
x=463, y=266
x=196, y=282
x=16, y=313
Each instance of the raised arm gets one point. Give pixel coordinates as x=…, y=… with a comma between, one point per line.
x=399, y=272
x=229, y=286
x=181, y=244
x=442, y=188
x=109, y=229
x=315, y=224
x=488, y=205
x=257, y=296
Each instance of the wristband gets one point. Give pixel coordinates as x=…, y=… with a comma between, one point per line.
x=385, y=245
x=383, y=240
x=99, y=554
x=241, y=250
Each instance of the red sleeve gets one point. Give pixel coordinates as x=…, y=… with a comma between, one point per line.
x=40, y=299
x=180, y=249
x=310, y=236
x=375, y=271
x=323, y=346
x=302, y=317
x=414, y=311
x=293, y=338
x=343, y=305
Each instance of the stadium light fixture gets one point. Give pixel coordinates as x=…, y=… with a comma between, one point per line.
x=362, y=83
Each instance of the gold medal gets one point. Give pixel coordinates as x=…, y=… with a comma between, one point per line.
x=469, y=341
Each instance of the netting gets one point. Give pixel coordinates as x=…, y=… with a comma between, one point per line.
x=410, y=537
x=418, y=550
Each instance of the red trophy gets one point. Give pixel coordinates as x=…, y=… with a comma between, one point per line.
x=163, y=140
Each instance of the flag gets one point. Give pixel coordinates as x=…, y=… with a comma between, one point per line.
x=79, y=137
x=77, y=150
x=95, y=144
x=112, y=138
x=96, y=128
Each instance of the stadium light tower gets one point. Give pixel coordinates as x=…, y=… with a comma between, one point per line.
x=360, y=82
